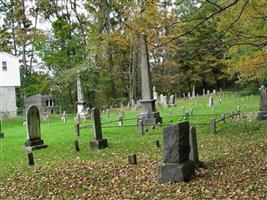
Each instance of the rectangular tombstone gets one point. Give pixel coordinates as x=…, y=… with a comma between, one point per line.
x=176, y=137
x=176, y=148
x=98, y=142
x=193, y=146
x=33, y=129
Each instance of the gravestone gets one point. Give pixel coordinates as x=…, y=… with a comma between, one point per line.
x=262, y=113
x=220, y=100
x=155, y=94
x=149, y=114
x=183, y=95
x=211, y=102
x=193, y=93
x=193, y=146
x=81, y=103
x=208, y=92
x=176, y=148
x=64, y=117
x=2, y=135
x=98, y=142
x=204, y=93
x=214, y=91
x=188, y=95
x=34, y=140
x=172, y=100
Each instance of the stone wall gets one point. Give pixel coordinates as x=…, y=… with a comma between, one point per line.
x=8, y=101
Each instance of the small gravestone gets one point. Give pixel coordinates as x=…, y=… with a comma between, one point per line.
x=193, y=146
x=204, y=93
x=189, y=95
x=98, y=141
x=33, y=129
x=64, y=117
x=176, y=148
x=132, y=159
x=30, y=158
x=2, y=135
x=172, y=100
x=208, y=92
x=262, y=113
x=214, y=91
x=193, y=93
x=211, y=102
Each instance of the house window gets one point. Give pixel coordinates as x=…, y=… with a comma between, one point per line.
x=4, y=66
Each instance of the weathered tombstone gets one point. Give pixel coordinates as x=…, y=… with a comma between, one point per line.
x=157, y=143
x=132, y=159
x=2, y=135
x=120, y=120
x=183, y=95
x=204, y=93
x=64, y=117
x=211, y=102
x=208, y=92
x=193, y=93
x=81, y=103
x=176, y=148
x=193, y=146
x=213, y=126
x=188, y=95
x=171, y=101
x=262, y=113
x=214, y=91
x=33, y=129
x=98, y=142
x=149, y=114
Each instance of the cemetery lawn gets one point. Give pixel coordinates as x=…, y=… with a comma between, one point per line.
x=235, y=159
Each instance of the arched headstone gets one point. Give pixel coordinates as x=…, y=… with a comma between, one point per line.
x=34, y=140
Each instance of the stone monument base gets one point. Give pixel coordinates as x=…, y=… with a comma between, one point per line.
x=176, y=172
x=2, y=135
x=150, y=118
x=262, y=115
x=99, y=144
x=35, y=144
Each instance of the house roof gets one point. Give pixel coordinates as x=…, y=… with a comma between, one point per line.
x=8, y=54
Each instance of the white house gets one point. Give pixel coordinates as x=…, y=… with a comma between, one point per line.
x=9, y=79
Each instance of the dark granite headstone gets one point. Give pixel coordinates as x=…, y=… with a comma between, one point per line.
x=176, y=149
x=98, y=141
x=33, y=129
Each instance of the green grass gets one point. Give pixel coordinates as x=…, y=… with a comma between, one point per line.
x=127, y=140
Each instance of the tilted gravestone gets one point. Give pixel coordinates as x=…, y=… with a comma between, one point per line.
x=98, y=142
x=149, y=114
x=176, y=163
x=262, y=113
x=193, y=146
x=34, y=140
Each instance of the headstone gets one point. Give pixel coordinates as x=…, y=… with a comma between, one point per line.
x=149, y=114
x=155, y=94
x=193, y=93
x=211, y=102
x=220, y=100
x=262, y=113
x=188, y=95
x=132, y=159
x=172, y=101
x=204, y=93
x=193, y=146
x=81, y=103
x=176, y=148
x=214, y=91
x=64, y=117
x=2, y=135
x=208, y=92
x=98, y=142
x=183, y=95
x=33, y=129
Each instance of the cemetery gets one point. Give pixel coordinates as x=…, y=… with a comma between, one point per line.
x=133, y=100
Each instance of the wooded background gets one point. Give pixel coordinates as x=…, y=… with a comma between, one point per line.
x=210, y=44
